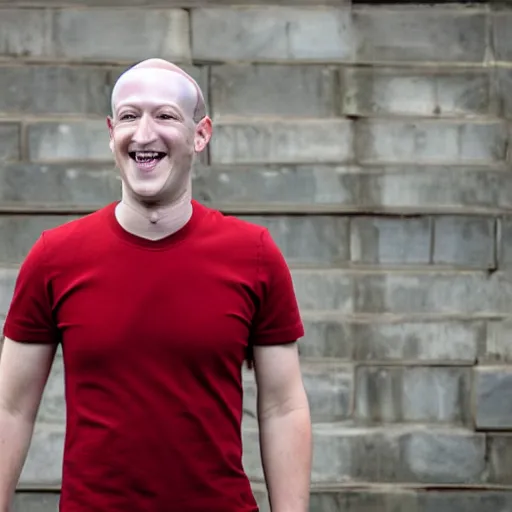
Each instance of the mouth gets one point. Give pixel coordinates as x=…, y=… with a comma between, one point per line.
x=146, y=157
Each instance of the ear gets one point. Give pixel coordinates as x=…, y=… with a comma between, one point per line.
x=110, y=124
x=203, y=134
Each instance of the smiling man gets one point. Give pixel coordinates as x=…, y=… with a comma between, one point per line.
x=157, y=302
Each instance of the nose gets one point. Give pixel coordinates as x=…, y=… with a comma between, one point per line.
x=144, y=133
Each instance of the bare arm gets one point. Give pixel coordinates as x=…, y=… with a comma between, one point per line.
x=24, y=370
x=285, y=427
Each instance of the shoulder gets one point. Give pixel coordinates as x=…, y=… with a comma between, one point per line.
x=75, y=230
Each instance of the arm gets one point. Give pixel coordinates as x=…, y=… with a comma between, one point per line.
x=285, y=427
x=24, y=370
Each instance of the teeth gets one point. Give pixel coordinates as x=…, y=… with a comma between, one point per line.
x=146, y=154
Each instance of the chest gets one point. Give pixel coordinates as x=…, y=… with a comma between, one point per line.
x=162, y=308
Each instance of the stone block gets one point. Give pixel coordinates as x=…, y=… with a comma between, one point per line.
x=318, y=240
x=260, y=141
x=390, y=240
x=37, y=89
x=417, y=92
x=22, y=231
x=7, y=280
x=505, y=242
x=493, y=388
x=326, y=337
x=59, y=185
x=401, y=293
x=284, y=91
x=464, y=241
x=9, y=142
x=363, y=500
x=438, y=341
x=43, y=466
x=329, y=387
x=466, y=500
x=69, y=141
x=25, y=33
x=413, y=394
x=501, y=23
x=36, y=502
x=52, y=409
x=420, y=34
x=502, y=86
x=431, y=141
x=500, y=459
x=271, y=33
x=107, y=35
x=499, y=341
x=426, y=455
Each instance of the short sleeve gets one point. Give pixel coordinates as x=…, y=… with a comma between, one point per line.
x=29, y=318
x=277, y=318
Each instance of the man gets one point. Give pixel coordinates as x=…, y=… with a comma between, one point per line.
x=157, y=301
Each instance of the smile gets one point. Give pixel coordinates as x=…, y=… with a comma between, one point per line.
x=146, y=156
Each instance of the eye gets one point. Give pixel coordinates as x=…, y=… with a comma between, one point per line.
x=167, y=117
x=127, y=117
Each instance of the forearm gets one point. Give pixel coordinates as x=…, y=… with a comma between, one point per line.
x=15, y=435
x=285, y=441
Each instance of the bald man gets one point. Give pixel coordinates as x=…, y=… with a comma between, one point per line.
x=157, y=301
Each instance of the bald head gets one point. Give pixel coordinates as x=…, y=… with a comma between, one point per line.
x=191, y=89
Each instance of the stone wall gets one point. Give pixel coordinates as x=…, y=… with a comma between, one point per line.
x=374, y=143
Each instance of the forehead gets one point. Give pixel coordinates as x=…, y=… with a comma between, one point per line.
x=154, y=86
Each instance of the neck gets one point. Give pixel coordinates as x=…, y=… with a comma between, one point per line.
x=154, y=222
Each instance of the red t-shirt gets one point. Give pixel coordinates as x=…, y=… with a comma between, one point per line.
x=154, y=337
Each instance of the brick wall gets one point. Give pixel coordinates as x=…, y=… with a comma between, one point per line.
x=374, y=143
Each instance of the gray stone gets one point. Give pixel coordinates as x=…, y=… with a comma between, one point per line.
x=411, y=188
x=363, y=500
x=286, y=91
x=403, y=91
x=500, y=458
x=505, y=242
x=22, y=231
x=43, y=467
x=166, y=3
x=108, y=34
x=9, y=142
x=420, y=34
x=271, y=33
x=502, y=87
x=52, y=409
x=434, y=341
x=499, y=341
x=25, y=33
x=62, y=186
x=431, y=141
x=466, y=500
x=420, y=292
x=501, y=25
x=39, y=89
x=415, y=394
x=326, y=338
x=36, y=502
x=329, y=386
x=278, y=188
x=426, y=455
x=390, y=240
x=69, y=141
x=318, y=240
x=260, y=141
x=493, y=389
x=464, y=241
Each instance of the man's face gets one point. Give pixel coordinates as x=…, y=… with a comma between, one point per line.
x=153, y=134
